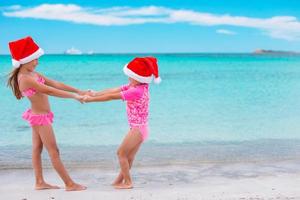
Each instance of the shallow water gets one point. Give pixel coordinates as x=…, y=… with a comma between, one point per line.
x=209, y=107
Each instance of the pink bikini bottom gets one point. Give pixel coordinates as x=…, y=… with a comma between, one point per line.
x=143, y=130
x=38, y=119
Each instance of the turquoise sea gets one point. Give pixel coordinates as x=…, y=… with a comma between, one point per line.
x=208, y=108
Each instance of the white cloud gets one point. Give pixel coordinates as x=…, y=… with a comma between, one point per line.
x=225, y=32
x=281, y=27
x=77, y=14
x=143, y=11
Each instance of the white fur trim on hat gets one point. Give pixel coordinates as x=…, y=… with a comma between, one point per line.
x=157, y=80
x=33, y=56
x=15, y=63
x=136, y=77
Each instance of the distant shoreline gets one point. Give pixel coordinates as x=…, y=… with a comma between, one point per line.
x=274, y=52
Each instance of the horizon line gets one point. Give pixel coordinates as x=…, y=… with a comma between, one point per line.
x=164, y=53
x=256, y=51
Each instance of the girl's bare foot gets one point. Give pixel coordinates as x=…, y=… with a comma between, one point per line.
x=117, y=182
x=75, y=187
x=123, y=186
x=114, y=184
x=45, y=186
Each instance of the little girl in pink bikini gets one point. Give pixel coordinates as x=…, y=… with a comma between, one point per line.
x=140, y=72
x=25, y=82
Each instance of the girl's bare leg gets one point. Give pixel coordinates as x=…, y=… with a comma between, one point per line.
x=130, y=142
x=47, y=136
x=37, y=148
x=131, y=157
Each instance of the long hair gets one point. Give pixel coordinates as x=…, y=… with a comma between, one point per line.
x=13, y=82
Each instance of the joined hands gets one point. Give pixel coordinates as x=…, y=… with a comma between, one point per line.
x=88, y=92
x=84, y=96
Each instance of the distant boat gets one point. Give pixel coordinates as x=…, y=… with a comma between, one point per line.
x=73, y=51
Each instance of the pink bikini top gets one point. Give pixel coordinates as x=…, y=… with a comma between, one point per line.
x=31, y=91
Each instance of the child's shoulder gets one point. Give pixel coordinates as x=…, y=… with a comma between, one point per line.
x=24, y=77
x=38, y=74
x=142, y=86
x=141, y=89
x=137, y=88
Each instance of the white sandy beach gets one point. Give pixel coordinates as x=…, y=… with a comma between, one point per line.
x=207, y=181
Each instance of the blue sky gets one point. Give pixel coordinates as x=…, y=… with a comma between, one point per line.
x=139, y=26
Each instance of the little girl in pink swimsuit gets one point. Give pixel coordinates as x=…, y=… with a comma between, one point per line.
x=140, y=72
x=25, y=82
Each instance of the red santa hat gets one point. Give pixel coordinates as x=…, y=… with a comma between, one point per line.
x=23, y=51
x=143, y=70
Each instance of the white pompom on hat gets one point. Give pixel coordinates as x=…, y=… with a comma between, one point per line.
x=24, y=51
x=143, y=69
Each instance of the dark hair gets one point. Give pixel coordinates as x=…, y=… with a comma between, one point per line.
x=13, y=82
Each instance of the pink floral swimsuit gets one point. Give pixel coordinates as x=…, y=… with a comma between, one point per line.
x=137, y=107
